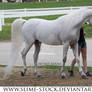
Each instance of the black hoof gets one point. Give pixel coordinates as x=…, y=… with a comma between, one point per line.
x=39, y=76
x=22, y=74
x=84, y=77
x=63, y=77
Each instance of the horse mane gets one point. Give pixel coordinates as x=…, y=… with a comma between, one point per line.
x=76, y=12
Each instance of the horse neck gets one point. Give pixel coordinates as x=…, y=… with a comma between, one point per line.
x=83, y=16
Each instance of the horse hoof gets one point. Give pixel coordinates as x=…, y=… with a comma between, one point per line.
x=39, y=75
x=22, y=74
x=84, y=77
x=64, y=77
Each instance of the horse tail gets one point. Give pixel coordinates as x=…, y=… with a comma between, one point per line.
x=16, y=42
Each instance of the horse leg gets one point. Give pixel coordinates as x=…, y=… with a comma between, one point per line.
x=65, y=49
x=35, y=56
x=24, y=53
x=75, y=51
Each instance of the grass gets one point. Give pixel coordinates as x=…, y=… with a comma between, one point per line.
x=2, y=65
x=10, y=20
x=5, y=34
x=88, y=30
x=50, y=3
x=59, y=67
x=52, y=67
x=55, y=67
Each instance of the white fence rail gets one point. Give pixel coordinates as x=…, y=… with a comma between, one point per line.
x=14, y=13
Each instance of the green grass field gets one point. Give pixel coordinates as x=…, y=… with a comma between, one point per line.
x=51, y=67
x=5, y=34
x=50, y=3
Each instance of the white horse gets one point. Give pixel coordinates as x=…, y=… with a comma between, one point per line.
x=62, y=31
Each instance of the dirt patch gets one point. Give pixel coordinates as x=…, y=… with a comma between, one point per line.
x=51, y=77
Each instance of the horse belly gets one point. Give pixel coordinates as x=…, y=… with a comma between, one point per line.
x=51, y=42
x=49, y=39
